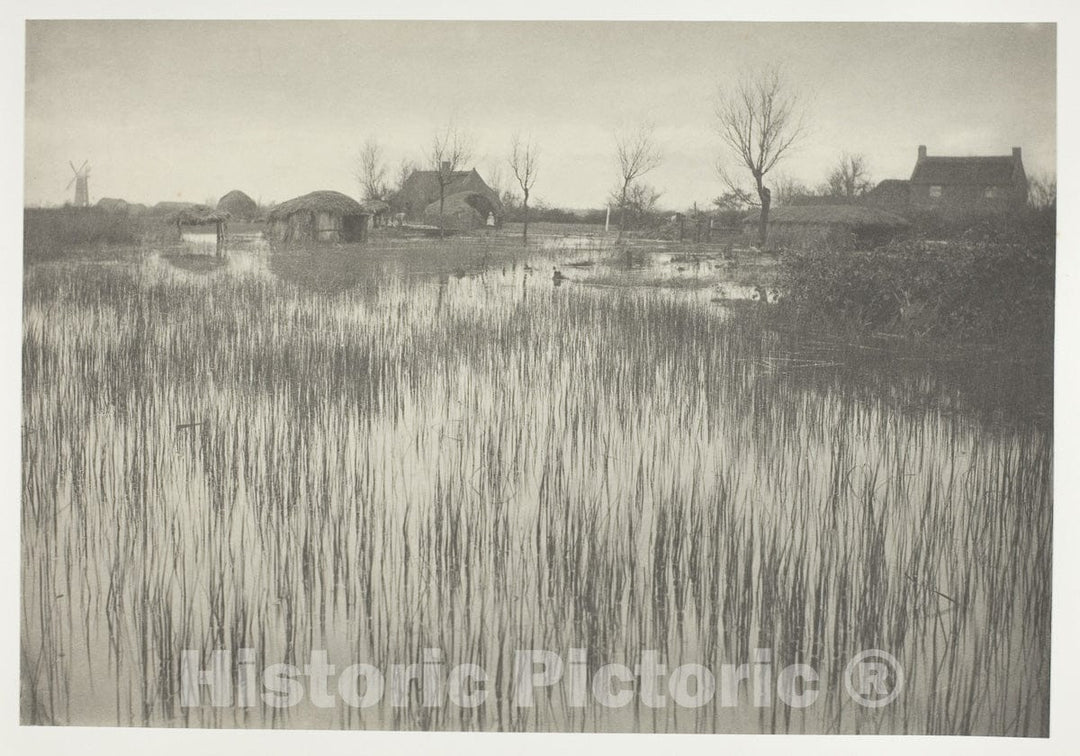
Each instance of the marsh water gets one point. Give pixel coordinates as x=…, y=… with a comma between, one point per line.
x=440, y=454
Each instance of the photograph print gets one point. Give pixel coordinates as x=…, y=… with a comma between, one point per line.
x=562, y=376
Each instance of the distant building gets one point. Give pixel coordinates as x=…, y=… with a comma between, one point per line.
x=467, y=201
x=323, y=216
x=955, y=187
x=113, y=205
x=170, y=208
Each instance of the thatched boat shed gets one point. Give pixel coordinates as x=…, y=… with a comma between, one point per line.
x=199, y=215
x=865, y=225
x=238, y=205
x=323, y=216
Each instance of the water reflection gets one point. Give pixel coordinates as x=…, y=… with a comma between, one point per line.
x=380, y=451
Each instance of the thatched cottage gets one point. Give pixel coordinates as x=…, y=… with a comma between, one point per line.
x=323, y=216
x=863, y=225
x=239, y=205
x=468, y=201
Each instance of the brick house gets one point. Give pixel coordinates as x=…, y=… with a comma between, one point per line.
x=959, y=186
x=955, y=187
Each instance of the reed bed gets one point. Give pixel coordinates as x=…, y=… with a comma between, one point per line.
x=482, y=464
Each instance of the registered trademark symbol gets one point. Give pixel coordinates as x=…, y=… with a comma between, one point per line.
x=873, y=678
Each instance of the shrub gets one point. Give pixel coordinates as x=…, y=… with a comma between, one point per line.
x=49, y=231
x=991, y=283
x=52, y=232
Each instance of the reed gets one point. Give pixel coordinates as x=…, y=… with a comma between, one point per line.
x=482, y=464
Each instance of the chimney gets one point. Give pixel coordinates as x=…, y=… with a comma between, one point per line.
x=922, y=151
x=445, y=167
x=1016, y=152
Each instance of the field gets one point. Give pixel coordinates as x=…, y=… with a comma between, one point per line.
x=382, y=450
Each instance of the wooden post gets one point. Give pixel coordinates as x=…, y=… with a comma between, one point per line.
x=220, y=237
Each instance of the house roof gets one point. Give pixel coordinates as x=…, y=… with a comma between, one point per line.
x=891, y=186
x=325, y=201
x=977, y=171
x=462, y=201
x=422, y=187
x=854, y=216
x=888, y=192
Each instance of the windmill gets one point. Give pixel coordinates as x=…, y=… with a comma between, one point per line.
x=81, y=181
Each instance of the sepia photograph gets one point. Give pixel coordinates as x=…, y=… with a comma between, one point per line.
x=536, y=376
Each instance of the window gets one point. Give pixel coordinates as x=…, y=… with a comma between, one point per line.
x=935, y=192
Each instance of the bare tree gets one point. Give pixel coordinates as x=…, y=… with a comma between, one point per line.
x=405, y=169
x=849, y=178
x=511, y=201
x=525, y=163
x=759, y=120
x=496, y=179
x=788, y=190
x=1042, y=191
x=371, y=171
x=450, y=150
x=641, y=201
x=636, y=153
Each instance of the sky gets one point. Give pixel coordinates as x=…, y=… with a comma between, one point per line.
x=187, y=110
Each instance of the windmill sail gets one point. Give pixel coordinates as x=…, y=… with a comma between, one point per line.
x=82, y=183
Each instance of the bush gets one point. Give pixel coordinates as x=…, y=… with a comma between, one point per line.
x=782, y=237
x=992, y=283
x=1021, y=223
x=52, y=232
x=49, y=231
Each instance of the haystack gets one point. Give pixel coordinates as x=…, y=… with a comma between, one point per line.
x=238, y=205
